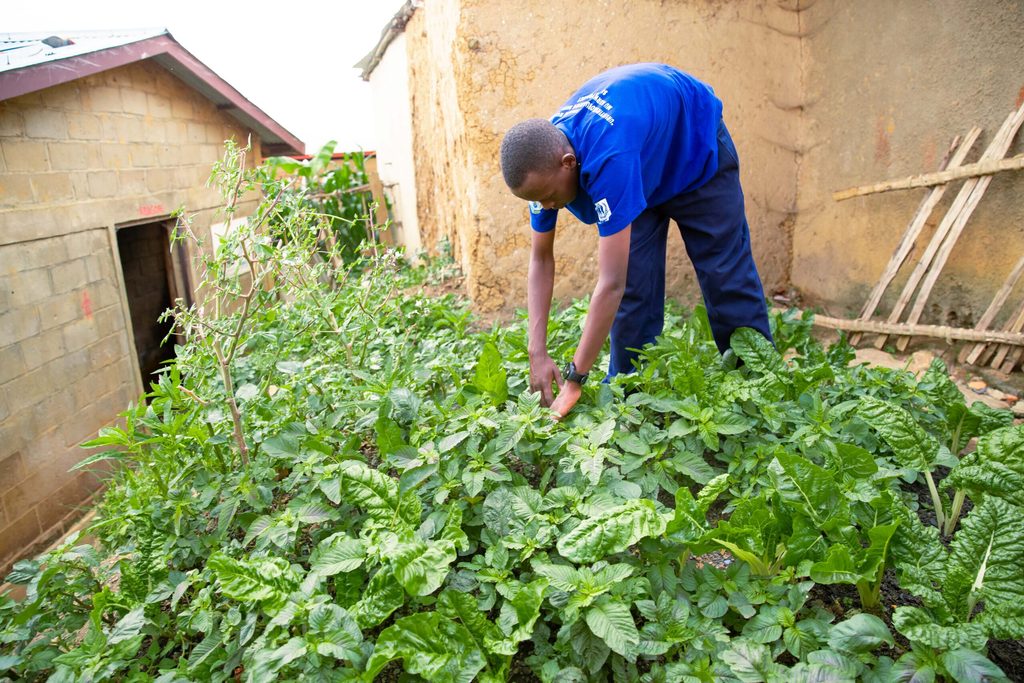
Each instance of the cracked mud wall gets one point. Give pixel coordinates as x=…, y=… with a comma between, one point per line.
x=889, y=85
x=447, y=177
x=479, y=66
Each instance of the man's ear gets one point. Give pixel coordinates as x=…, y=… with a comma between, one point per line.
x=568, y=161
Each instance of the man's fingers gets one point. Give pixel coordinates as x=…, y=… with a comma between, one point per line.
x=547, y=396
x=558, y=377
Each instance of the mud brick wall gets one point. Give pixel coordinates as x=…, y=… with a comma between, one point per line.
x=125, y=146
x=888, y=85
x=477, y=68
x=819, y=95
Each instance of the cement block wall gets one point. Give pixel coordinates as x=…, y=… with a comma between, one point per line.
x=889, y=85
x=476, y=69
x=77, y=160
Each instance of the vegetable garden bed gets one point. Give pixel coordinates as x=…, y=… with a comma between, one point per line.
x=353, y=483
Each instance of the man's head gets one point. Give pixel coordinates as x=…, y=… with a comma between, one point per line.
x=539, y=164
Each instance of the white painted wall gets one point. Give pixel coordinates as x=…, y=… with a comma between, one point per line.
x=389, y=85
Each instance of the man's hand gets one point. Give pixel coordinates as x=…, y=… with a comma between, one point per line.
x=567, y=397
x=544, y=373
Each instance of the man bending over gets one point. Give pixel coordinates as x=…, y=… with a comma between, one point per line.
x=634, y=147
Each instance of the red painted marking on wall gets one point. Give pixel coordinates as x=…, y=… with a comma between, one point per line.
x=883, y=129
x=86, y=305
x=152, y=209
x=929, y=153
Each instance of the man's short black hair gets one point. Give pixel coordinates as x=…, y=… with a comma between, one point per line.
x=532, y=145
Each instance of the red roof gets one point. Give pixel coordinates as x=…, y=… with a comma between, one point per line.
x=51, y=62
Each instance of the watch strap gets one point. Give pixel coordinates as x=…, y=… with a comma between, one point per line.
x=570, y=374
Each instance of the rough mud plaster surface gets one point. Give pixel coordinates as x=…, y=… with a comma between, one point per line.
x=446, y=175
x=478, y=67
x=889, y=84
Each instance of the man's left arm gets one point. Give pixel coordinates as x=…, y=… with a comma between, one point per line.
x=613, y=263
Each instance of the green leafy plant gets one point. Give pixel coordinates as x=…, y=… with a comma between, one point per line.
x=341, y=477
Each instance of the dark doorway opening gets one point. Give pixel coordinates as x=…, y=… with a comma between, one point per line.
x=154, y=276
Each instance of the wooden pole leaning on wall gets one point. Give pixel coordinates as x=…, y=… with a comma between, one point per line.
x=1012, y=361
x=916, y=330
x=941, y=177
x=970, y=354
x=959, y=152
x=997, y=149
x=1016, y=324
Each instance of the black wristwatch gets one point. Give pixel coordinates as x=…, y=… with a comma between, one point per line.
x=571, y=375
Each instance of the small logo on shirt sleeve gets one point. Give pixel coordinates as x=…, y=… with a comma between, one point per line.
x=603, y=212
x=535, y=207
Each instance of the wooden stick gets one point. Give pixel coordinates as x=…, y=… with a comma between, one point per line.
x=917, y=223
x=1011, y=363
x=998, y=148
x=925, y=261
x=969, y=354
x=1015, y=325
x=979, y=168
x=939, y=331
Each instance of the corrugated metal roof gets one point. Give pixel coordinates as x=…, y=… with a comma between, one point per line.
x=35, y=61
x=19, y=50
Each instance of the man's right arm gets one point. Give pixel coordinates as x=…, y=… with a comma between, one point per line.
x=539, y=286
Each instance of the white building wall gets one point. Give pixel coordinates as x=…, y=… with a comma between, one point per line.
x=389, y=85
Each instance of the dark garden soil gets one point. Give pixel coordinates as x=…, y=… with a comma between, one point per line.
x=1008, y=655
x=839, y=599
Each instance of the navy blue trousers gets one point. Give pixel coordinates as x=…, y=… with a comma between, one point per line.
x=714, y=228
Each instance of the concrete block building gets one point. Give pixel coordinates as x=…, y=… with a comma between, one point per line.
x=102, y=137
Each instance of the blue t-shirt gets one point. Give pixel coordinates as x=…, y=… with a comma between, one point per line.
x=642, y=134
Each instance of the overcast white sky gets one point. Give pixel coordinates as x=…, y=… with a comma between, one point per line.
x=292, y=60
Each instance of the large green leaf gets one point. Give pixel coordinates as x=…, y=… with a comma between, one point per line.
x=761, y=356
x=855, y=462
x=509, y=434
x=336, y=631
x=561, y=576
x=611, y=621
x=751, y=662
x=421, y=567
x=464, y=607
x=996, y=467
x=919, y=627
x=837, y=567
x=128, y=626
x=911, y=445
x=969, y=666
x=253, y=579
x=859, y=634
x=846, y=564
x=985, y=560
x=336, y=554
x=518, y=615
x=377, y=494
x=766, y=625
x=689, y=522
x=611, y=531
x=432, y=646
x=382, y=596
x=490, y=377
x=389, y=436
x=918, y=553
x=812, y=490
